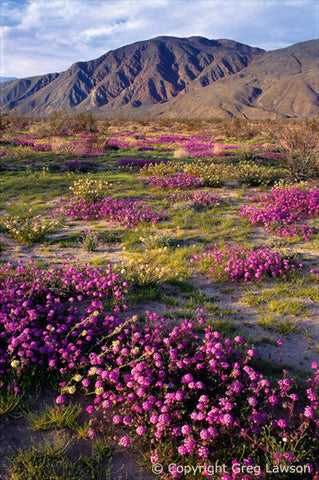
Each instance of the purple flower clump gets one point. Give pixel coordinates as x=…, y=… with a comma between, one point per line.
x=41, y=322
x=127, y=212
x=283, y=210
x=210, y=395
x=241, y=263
x=197, y=198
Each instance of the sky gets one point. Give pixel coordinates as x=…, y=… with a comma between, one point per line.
x=43, y=36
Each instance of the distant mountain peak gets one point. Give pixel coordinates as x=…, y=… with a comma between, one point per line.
x=169, y=75
x=7, y=79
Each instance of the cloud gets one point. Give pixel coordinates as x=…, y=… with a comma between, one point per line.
x=115, y=28
x=40, y=36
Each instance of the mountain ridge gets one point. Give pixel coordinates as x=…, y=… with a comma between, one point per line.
x=171, y=76
x=7, y=79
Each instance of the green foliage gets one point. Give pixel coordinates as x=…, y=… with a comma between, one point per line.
x=285, y=307
x=29, y=230
x=55, y=417
x=144, y=274
x=49, y=462
x=213, y=174
x=182, y=285
x=111, y=236
x=90, y=241
x=254, y=175
x=10, y=402
x=90, y=189
x=162, y=169
x=225, y=327
x=276, y=324
x=160, y=240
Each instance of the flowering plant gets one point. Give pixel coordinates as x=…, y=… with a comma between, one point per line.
x=127, y=212
x=199, y=199
x=89, y=189
x=179, y=180
x=189, y=397
x=253, y=175
x=241, y=263
x=139, y=163
x=40, y=322
x=283, y=209
x=160, y=170
x=212, y=174
x=194, y=397
x=146, y=274
x=29, y=230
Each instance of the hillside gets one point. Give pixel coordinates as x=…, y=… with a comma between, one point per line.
x=279, y=84
x=143, y=73
x=169, y=76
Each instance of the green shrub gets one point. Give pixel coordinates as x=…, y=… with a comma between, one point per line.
x=90, y=241
x=162, y=169
x=143, y=273
x=213, y=174
x=254, y=175
x=160, y=240
x=89, y=189
x=30, y=230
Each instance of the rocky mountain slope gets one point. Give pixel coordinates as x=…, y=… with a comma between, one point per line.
x=278, y=84
x=169, y=76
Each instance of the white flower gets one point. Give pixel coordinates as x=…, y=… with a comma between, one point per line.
x=15, y=363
